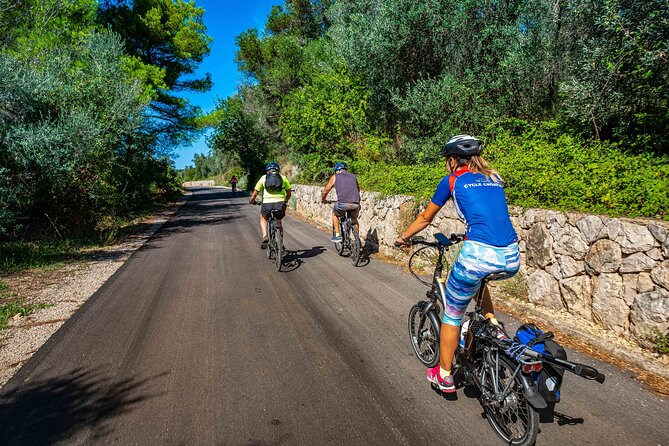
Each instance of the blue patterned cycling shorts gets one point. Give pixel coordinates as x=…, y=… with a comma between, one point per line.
x=475, y=262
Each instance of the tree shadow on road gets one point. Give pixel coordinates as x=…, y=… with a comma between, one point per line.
x=60, y=408
x=293, y=259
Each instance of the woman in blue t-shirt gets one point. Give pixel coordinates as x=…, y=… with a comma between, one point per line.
x=491, y=244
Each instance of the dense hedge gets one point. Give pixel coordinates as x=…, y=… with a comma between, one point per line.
x=544, y=168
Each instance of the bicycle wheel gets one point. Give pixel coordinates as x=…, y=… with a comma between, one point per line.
x=424, y=335
x=278, y=249
x=513, y=419
x=354, y=240
x=339, y=246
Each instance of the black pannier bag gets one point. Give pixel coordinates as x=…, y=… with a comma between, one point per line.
x=549, y=380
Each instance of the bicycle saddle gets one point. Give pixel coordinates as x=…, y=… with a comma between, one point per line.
x=497, y=276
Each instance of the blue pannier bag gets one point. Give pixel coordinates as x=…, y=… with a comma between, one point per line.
x=549, y=380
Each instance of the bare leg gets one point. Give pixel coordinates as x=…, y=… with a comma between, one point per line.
x=448, y=342
x=449, y=334
x=335, y=224
x=263, y=226
x=488, y=309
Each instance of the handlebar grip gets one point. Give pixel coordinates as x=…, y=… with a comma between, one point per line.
x=456, y=237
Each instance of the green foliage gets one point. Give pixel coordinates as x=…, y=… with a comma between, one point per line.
x=571, y=97
x=21, y=254
x=661, y=341
x=10, y=309
x=75, y=142
x=324, y=116
x=618, y=83
x=417, y=180
x=238, y=135
x=166, y=40
x=545, y=167
x=35, y=29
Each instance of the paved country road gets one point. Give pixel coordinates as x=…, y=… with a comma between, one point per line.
x=198, y=340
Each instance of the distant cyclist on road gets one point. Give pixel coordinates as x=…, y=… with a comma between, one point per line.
x=348, y=197
x=233, y=183
x=275, y=190
x=491, y=244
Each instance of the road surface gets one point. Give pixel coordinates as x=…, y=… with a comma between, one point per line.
x=198, y=340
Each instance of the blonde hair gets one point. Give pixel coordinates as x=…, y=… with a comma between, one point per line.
x=477, y=164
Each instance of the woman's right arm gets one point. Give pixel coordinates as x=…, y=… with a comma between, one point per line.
x=422, y=221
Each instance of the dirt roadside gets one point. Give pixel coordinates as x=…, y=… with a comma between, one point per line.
x=64, y=289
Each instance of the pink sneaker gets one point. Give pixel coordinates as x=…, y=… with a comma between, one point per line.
x=445, y=385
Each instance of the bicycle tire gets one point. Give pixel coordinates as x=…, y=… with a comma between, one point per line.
x=424, y=335
x=526, y=415
x=278, y=253
x=354, y=238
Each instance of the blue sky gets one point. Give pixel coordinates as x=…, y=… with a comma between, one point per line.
x=224, y=19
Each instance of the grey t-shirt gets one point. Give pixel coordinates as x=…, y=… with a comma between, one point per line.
x=346, y=186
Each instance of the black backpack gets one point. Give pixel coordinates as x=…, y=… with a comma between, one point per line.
x=273, y=183
x=549, y=380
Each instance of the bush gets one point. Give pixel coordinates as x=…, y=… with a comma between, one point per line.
x=545, y=168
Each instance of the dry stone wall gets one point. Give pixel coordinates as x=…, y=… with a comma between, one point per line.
x=611, y=271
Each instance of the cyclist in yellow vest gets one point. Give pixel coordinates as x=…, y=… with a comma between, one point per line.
x=275, y=189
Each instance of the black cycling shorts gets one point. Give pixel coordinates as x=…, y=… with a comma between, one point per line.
x=266, y=208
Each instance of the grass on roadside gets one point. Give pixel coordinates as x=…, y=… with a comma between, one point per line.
x=10, y=306
x=51, y=252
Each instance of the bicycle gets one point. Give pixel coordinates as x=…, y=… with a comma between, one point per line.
x=350, y=238
x=504, y=370
x=275, y=249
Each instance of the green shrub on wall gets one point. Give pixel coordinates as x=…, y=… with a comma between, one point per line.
x=544, y=168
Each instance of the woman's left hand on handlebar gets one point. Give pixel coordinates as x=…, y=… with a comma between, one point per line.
x=401, y=242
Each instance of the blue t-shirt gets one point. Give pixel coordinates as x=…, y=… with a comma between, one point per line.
x=481, y=204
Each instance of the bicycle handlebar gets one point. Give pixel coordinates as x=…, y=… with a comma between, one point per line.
x=441, y=240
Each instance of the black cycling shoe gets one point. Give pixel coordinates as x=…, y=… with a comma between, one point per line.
x=264, y=243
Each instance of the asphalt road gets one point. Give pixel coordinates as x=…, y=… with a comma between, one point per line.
x=198, y=340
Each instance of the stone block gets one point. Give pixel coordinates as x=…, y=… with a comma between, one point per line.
x=637, y=263
x=570, y=267
x=660, y=275
x=577, y=295
x=658, y=231
x=539, y=247
x=554, y=270
x=634, y=237
x=604, y=256
x=592, y=228
x=650, y=312
x=568, y=241
x=544, y=290
x=608, y=303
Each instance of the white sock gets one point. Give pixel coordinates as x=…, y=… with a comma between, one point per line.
x=444, y=373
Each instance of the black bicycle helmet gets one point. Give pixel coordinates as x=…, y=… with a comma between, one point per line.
x=462, y=146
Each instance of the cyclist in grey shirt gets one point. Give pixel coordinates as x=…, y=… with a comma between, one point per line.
x=348, y=197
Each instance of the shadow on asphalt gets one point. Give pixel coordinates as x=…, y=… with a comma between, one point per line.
x=58, y=409
x=293, y=259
